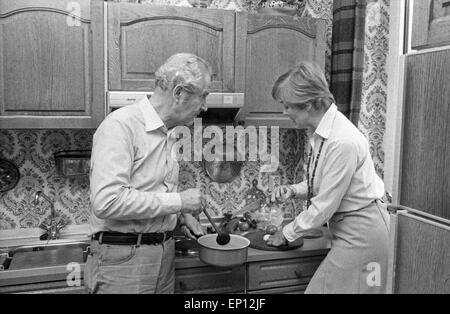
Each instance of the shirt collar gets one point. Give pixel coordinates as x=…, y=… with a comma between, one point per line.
x=325, y=125
x=151, y=117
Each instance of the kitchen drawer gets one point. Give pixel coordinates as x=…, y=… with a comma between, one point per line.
x=284, y=290
x=282, y=273
x=210, y=280
x=52, y=287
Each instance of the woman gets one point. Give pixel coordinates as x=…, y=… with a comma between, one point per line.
x=341, y=188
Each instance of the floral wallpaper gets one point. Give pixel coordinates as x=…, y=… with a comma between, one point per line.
x=372, y=120
x=32, y=152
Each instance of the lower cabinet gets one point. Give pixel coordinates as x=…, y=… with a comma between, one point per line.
x=283, y=275
x=210, y=280
x=52, y=287
x=290, y=275
x=300, y=289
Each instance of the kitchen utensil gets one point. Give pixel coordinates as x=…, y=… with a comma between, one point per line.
x=257, y=242
x=222, y=238
x=222, y=171
x=9, y=175
x=232, y=254
x=72, y=163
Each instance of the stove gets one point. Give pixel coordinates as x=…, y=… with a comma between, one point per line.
x=186, y=247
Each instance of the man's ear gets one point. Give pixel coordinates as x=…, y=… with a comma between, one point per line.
x=177, y=91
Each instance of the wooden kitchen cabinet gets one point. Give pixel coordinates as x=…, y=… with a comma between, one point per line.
x=266, y=47
x=282, y=276
x=51, y=287
x=210, y=280
x=420, y=253
x=51, y=64
x=142, y=37
x=425, y=175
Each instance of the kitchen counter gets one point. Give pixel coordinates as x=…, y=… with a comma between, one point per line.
x=55, y=274
x=311, y=247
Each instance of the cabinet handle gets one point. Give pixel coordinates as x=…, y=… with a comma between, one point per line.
x=182, y=285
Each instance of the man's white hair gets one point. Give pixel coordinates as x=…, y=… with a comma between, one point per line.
x=181, y=68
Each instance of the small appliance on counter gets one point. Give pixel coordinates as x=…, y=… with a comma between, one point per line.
x=73, y=163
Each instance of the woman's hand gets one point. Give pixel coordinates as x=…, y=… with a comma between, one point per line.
x=277, y=239
x=190, y=226
x=282, y=193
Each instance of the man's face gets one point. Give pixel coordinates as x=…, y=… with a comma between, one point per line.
x=192, y=100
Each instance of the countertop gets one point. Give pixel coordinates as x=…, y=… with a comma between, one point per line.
x=311, y=247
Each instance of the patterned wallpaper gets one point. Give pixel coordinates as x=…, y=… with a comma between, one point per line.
x=372, y=120
x=32, y=150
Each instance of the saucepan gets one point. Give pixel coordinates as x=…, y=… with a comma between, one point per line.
x=222, y=249
x=232, y=254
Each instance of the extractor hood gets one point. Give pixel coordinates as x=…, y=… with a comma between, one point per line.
x=223, y=108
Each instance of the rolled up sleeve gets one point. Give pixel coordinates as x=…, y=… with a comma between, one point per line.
x=340, y=163
x=112, y=196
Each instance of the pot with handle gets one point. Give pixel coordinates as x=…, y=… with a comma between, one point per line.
x=232, y=254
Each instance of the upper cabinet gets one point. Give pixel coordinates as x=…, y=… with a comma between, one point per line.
x=52, y=56
x=142, y=37
x=266, y=47
x=431, y=24
x=51, y=63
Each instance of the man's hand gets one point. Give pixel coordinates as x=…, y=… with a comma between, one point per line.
x=282, y=193
x=277, y=239
x=191, y=201
x=191, y=227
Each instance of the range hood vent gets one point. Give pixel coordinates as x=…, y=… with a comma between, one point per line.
x=223, y=108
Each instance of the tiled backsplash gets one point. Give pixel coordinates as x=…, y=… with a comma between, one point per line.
x=32, y=151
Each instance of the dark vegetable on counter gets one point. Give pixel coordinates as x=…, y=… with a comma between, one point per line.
x=271, y=229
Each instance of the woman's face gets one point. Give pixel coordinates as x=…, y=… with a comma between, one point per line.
x=298, y=113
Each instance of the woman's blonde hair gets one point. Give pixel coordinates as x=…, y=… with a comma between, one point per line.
x=303, y=84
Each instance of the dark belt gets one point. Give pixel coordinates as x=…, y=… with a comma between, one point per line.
x=118, y=238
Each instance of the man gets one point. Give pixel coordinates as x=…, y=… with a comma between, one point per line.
x=133, y=181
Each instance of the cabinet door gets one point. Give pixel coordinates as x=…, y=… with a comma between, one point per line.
x=282, y=273
x=266, y=47
x=210, y=280
x=142, y=37
x=425, y=175
x=421, y=254
x=51, y=63
x=431, y=24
